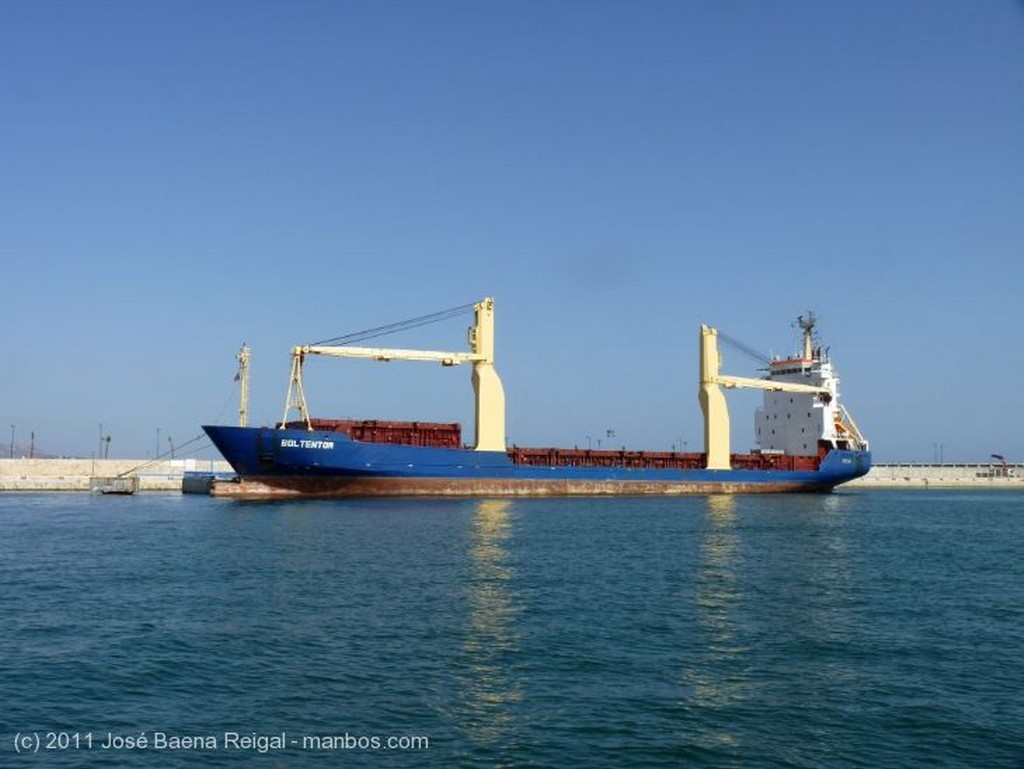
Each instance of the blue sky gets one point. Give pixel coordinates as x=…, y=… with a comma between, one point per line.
x=177, y=178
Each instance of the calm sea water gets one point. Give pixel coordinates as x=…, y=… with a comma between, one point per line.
x=858, y=629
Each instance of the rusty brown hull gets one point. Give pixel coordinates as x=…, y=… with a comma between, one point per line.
x=299, y=487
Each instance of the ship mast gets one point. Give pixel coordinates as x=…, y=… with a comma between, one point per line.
x=807, y=324
x=242, y=377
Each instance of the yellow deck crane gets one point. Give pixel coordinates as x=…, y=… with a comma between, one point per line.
x=490, y=395
x=712, y=399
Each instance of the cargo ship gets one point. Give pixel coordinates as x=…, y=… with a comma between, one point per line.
x=807, y=441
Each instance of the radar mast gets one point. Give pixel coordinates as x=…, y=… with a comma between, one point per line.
x=807, y=322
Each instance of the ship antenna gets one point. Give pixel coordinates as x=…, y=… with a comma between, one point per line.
x=807, y=323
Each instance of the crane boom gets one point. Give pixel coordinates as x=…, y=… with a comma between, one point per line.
x=733, y=382
x=389, y=354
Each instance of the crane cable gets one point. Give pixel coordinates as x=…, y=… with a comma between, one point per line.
x=394, y=328
x=757, y=355
x=161, y=457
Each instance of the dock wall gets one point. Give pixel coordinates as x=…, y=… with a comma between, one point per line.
x=167, y=475
x=75, y=474
x=939, y=476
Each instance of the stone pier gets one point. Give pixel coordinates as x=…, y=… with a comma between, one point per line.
x=75, y=474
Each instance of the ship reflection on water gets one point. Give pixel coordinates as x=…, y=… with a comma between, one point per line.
x=771, y=581
x=488, y=686
x=716, y=672
x=717, y=588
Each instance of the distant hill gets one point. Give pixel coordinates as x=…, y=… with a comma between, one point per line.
x=23, y=452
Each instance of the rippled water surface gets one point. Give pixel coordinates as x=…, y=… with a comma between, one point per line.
x=858, y=629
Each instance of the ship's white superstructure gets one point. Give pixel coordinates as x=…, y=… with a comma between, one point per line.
x=805, y=424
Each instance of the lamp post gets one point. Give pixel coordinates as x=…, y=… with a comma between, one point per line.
x=157, y=455
x=12, y=441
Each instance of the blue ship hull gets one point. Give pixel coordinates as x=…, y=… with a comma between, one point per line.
x=274, y=462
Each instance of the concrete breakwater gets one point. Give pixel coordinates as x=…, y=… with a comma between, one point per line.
x=167, y=475
x=939, y=476
x=76, y=474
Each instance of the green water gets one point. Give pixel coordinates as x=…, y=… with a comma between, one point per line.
x=857, y=629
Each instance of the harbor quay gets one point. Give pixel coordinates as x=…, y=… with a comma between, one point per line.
x=33, y=475
x=942, y=476
x=165, y=475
